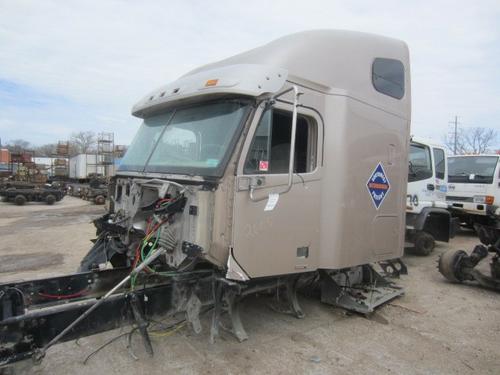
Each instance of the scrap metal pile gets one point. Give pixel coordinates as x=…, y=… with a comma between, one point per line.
x=19, y=192
x=457, y=266
x=95, y=191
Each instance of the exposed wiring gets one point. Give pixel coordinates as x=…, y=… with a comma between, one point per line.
x=168, y=332
x=63, y=296
x=140, y=255
x=108, y=343
x=129, y=346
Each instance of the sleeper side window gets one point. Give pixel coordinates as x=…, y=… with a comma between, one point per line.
x=439, y=162
x=388, y=77
x=269, y=152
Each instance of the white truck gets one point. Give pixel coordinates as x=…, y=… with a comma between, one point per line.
x=473, y=188
x=427, y=218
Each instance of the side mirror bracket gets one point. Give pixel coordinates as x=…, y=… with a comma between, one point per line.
x=291, y=162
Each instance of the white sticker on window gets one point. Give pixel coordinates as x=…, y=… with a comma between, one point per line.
x=272, y=201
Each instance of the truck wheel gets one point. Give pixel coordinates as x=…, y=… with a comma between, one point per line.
x=20, y=200
x=449, y=265
x=50, y=199
x=5, y=199
x=99, y=199
x=424, y=243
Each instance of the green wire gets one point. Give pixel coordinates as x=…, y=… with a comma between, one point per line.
x=144, y=257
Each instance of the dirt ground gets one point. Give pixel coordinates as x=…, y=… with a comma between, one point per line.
x=435, y=328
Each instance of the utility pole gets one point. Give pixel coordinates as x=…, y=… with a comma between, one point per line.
x=455, y=134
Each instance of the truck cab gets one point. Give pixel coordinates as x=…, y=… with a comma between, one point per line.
x=473, y=188
x=427, y=218
x=282, y=166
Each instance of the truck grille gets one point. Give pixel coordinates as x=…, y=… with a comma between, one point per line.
x=460, y=199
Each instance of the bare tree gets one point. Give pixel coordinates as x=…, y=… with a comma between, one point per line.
x=474, y=140
x=82, y=142
x=17, y=145
x=46, y=150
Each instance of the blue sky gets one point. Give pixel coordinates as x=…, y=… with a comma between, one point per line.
x=67, y=66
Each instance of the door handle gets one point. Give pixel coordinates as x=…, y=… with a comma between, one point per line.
x=430, y=187
x=255, y=184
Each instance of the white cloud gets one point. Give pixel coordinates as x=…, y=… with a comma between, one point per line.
x=102, y=56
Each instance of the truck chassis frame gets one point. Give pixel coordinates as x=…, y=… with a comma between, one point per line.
x=34, y=313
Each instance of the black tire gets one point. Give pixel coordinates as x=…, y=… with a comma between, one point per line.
x=424, y=243
x=50, y=199
x=448, y=265
x=20, y=200
x=99, y=200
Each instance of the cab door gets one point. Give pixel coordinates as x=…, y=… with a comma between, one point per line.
x=421, y=181
x=274, y=232
x=441, y=177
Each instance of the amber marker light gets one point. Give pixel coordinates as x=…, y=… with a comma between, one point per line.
x=211, y=82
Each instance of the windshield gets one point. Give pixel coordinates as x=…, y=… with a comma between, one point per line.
x=472, y=169
x=419, y=164
x=193, y=140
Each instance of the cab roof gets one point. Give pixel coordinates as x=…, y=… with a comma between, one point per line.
x=427, y=141
x=334, y=62
x=472, y=155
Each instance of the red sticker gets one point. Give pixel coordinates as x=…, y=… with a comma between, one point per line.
x=263, y=165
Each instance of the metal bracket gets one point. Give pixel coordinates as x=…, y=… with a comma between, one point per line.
x=193, y=308
x=393, y=267
x=142, y=323
x=373, y=291
x=225, y=294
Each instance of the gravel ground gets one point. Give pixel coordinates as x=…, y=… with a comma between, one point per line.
x=435, y=328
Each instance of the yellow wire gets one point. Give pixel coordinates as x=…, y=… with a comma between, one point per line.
x=168, y=333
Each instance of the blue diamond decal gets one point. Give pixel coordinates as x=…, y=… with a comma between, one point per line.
x=378, y=185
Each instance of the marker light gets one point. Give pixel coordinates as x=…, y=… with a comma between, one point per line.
x=211, y=82
x=486, y=199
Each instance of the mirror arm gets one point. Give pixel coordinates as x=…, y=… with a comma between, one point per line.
x=291, y=162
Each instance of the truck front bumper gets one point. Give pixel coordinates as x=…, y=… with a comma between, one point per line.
x=470, y=208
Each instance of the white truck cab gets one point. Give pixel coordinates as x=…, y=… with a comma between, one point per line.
x=427, y=218
x=473, y=187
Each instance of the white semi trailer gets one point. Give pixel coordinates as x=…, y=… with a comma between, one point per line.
x=283, y=166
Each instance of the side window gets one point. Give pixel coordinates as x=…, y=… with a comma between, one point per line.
x=388, y=77
x=269, y=152
x=439, y=162
x=420, y=167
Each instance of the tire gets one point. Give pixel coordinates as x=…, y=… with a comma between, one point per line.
x=20, y=200
x=99, y=200
x=5, y=199
x=424, y=243
x=50, y=199
x=448, y=265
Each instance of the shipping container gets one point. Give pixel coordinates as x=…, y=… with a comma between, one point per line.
x=83, y=165
x=4, y=156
